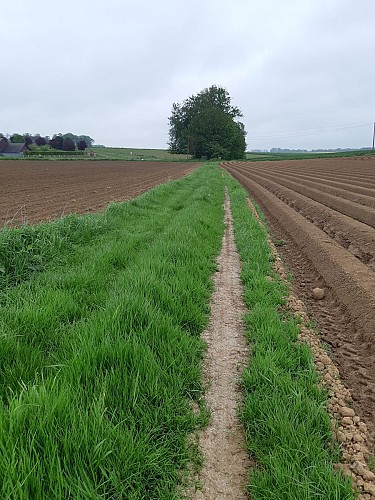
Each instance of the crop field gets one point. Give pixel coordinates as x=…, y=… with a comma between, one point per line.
x=136, y=154
x=103, y=314
x=281, y=156
x=322, y=213
x=41, y=190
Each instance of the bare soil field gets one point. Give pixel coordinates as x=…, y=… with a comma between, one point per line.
x=322, y=216
x=32, y=191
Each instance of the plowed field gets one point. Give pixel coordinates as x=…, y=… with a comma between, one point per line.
x=32, y=191
x=322, y=214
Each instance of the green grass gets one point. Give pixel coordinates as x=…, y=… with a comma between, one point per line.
x=103, y=153
x=136, y=154
x=306, y=156
x=27, y=251
x=284, y=412
x=100, y=346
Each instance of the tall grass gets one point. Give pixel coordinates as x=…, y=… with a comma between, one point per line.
x=27, y=250
x=284, y=411
x=100, y=350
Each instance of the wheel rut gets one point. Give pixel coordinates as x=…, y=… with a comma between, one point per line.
x=222, y=443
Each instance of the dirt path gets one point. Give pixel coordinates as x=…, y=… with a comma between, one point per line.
x=226, y=462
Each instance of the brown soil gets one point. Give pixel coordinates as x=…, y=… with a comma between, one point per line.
x=348, y=428
x=226, y=462
x=324, y=247
x=32, y=191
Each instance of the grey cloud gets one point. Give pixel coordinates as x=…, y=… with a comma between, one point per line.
x=113, y=70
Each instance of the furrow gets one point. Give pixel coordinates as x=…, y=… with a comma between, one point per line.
x=348, y=277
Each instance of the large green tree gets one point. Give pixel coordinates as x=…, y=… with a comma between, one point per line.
x=16, y=138
x=206, y=124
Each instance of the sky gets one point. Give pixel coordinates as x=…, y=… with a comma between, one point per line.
x=301, y=71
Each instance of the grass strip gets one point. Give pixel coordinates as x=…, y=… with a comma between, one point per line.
x=284, y=412
x=100, y=350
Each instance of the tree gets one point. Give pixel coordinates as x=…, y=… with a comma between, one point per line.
x=88, y=140
x=16, y=138
x=28, y=139
x=81, y=145
x=40, y=141
x=76, y=138
x=205, y=125
x=214, y=134
x=57, y=141
x=68, y=145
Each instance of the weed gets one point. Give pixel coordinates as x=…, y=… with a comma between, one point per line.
x=327, y=347
x=312, y=324
x=279, y=243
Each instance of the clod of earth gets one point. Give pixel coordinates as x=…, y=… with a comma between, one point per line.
x=318, y=293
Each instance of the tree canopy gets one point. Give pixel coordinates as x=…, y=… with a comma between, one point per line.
x=81, y=145
x=205, y=125
x=68, y=144
x=40, y=141
x=57, y=141
x=16, y=138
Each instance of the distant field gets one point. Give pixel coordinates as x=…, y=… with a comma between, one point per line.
x=136, y=154
x=305, y=156
x=109, y=154
x=40, y=190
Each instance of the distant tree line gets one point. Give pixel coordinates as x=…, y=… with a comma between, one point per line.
x=326, y=150
x=63, y=142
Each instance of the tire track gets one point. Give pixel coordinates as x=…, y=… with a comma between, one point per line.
x=226, y=462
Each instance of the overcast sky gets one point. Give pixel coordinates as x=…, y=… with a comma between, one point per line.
x=299, y=69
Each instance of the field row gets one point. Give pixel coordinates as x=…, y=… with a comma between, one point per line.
x=39, y=190
x=330, y=230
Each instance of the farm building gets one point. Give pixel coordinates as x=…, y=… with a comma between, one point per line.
x=12, y=149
